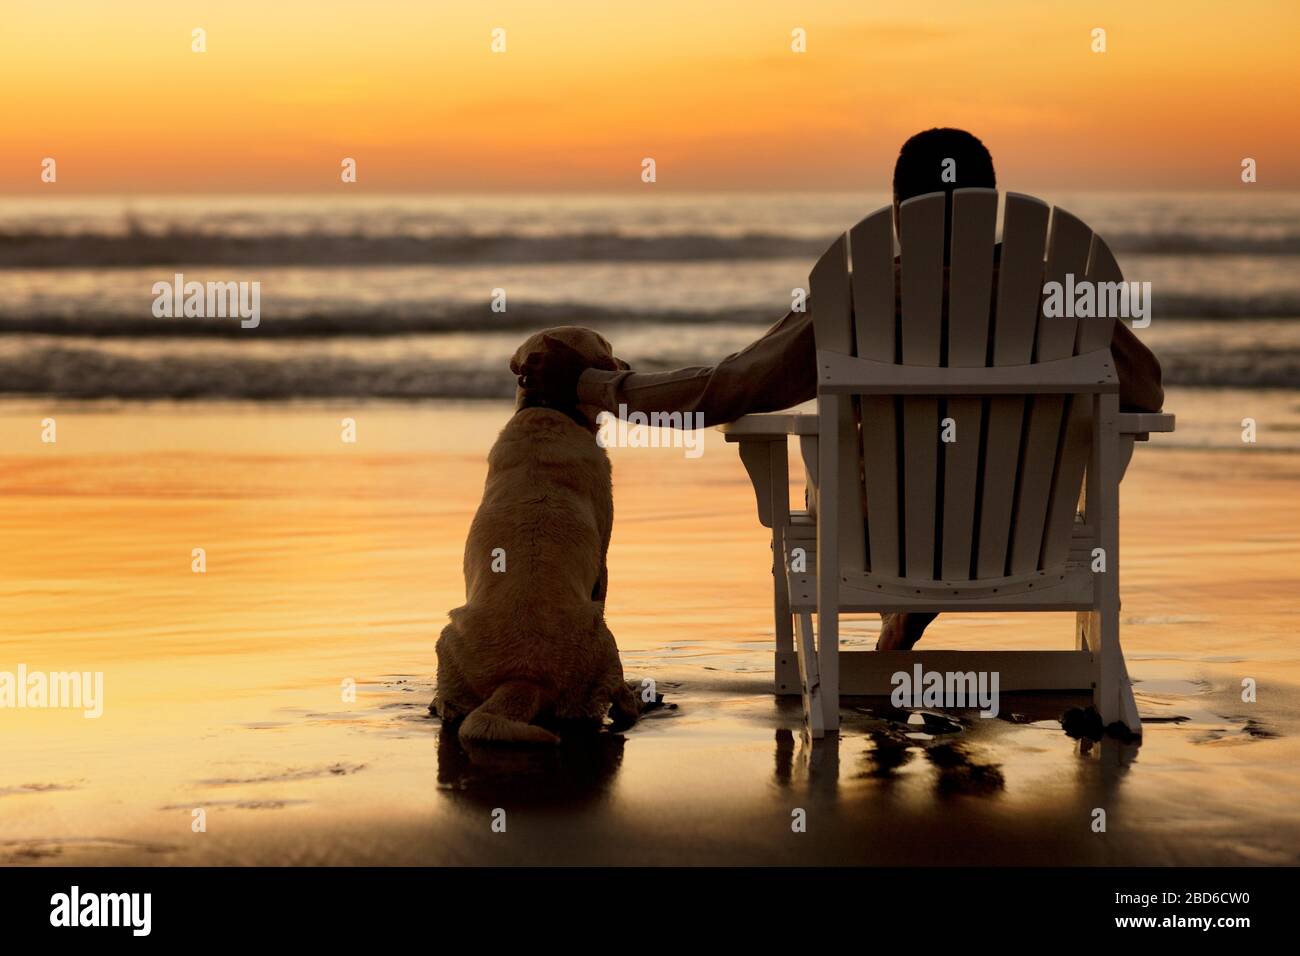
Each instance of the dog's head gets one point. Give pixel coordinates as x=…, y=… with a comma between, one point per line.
x=592, y=346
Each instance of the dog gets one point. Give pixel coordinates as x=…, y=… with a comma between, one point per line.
x=531, y=642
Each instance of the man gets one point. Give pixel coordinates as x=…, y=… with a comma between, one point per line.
x=779, y=369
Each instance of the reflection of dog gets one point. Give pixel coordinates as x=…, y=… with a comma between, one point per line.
x=530, y=641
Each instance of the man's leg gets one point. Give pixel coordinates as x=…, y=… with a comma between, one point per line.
x=899, y=632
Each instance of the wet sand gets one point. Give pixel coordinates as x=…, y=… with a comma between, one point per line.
x=329, y=562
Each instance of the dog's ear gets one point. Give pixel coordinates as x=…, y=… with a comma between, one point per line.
x=605, y=360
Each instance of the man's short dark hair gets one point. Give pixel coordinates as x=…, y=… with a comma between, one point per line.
x=923, y=158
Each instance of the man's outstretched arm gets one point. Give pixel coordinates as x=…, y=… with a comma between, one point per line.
x=777, y=371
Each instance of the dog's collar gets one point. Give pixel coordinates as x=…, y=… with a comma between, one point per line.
x=570, y=410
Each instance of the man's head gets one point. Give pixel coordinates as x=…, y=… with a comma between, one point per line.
x=941, y=160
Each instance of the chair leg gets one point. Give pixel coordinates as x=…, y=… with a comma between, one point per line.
x=785, y=666
x=1114, y=696
x=830, y=408
x=1098, y=631
x=828, y=658
x=809, y=677
x=779, y=489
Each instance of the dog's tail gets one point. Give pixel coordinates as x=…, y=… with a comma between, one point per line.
x=504, y=717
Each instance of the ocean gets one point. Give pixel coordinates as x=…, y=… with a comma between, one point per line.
x=390, y=297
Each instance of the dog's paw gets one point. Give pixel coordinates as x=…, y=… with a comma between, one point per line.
x=636, y=691
x=447, y=712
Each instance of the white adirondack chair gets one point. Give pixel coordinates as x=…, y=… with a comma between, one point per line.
x=905, y=521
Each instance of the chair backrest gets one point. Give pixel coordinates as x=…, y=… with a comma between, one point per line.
x=960, y=488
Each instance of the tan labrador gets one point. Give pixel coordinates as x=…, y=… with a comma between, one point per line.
x=530, y=641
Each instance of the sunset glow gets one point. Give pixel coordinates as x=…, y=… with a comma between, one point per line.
x=585, y=90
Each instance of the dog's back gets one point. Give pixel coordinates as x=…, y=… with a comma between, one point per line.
x=548, y=504
x=531, y=636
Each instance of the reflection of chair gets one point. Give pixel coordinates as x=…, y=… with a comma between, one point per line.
x=953, y=438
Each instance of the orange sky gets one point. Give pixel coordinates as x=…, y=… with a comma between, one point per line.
x=587, y=88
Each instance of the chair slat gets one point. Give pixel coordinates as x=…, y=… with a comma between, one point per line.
x=871, y=244
x=1067, y=255
x=970, y=285
x=970, y=278
x=832, y=308
x=921, y=283
x=1093, y=334
x=1020, y=288
x=833, y=320
x=1102, y=267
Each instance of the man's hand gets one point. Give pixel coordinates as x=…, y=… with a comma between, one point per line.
x=551, y=377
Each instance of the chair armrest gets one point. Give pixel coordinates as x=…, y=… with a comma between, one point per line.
x=764, y=458
x=763, y=441
x=769, y=426
x=1141, y=424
